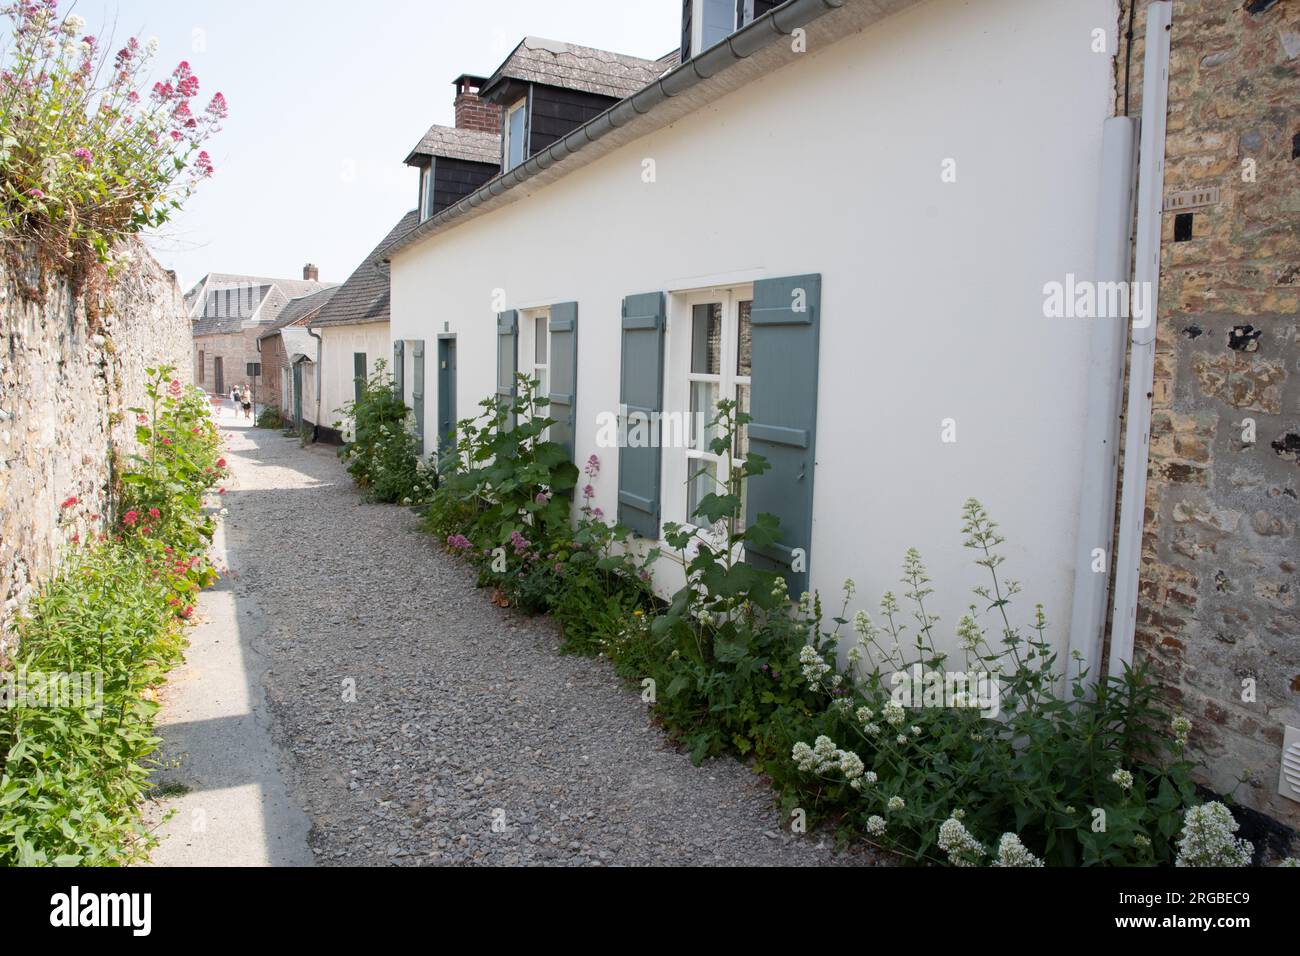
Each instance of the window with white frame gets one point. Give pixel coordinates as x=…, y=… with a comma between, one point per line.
x=426, y=191
x=535, y=348
x=515, y=122
x=720, y=336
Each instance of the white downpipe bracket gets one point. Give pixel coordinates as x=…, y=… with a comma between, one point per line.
x=1142, y=360
x=1119, y=155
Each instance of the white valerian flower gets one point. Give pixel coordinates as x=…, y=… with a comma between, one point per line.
x=1207, y=838
x=1291, y=861
x=151, y=46
x=842, y=706
x=864, y=714
x=862, y=623
x=850, y=588
x=50, y=46
x=224, y=512
x=870, y=777
x=1011, y=852
x=916, y=731
x=1142, y=840
x=1123, y=778
x=901, y=739
x=854, y=655
x=1182, y=728
x=870, y=729
x=876, y=825
x=894, y=713
x=968, y=633
x=73, y=25
x=955, y=840
x=814, y=668
x=851, y=765
x=804, y=757
x=895, y=804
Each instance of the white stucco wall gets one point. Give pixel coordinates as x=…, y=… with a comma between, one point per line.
x=339, y=343
x=931, y=291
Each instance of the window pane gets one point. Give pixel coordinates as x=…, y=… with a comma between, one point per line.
x=746, y=338
x=542, y=386
x=706, y=339
x=703, y=481
x=516, y=137
x=704, y=408
x=539, y=340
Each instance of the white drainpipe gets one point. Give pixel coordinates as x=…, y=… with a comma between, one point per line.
x=1142, y=360
x=1105, y=397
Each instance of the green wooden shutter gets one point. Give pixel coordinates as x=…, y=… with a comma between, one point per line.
x=563, y=359
x=641, y=393
x=783, y=404
x=507, y=354
x=417, y=388
x=399, y=370
x=358, y=374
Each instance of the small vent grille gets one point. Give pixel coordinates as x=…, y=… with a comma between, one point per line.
x=1289, y=784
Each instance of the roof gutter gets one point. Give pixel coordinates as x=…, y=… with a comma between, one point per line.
x=768, y=29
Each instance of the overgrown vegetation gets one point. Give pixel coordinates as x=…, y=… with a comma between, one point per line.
x=383, y=453
x=88, y=154
x=993, y=759
x=75, y=765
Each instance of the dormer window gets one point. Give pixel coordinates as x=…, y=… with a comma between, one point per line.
x=706, y=23
x=515, y=147
x=426, y=191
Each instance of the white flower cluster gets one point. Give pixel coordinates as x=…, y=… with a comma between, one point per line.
x=1123, y=778
x=823, y=756
x=968, y=633
x=895, y=804
x=1011, y=852
x=1207, y=838
x=1182, y=728
x=863, y=624
x=876, y=826
x=894, y=714
x=814, y=668
x=73, y=25
x=955, y=840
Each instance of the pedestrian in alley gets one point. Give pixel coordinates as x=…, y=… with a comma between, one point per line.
x=247, y=401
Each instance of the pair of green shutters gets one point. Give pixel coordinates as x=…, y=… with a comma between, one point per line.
x=562, y=361
x=783, y=405
x=417, y=383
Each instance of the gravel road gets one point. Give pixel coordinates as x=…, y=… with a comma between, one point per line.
x=470, y=738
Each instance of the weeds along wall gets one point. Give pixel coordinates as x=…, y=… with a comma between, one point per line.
x=68, y=373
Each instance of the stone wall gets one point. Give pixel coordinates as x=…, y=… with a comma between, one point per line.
x=1218, y=612
x=65, y=382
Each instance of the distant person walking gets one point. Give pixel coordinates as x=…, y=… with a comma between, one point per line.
x=247, y=400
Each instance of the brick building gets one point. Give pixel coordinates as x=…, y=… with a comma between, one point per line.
x=228, y=312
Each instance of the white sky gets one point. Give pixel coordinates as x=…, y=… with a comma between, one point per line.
x=326, y=99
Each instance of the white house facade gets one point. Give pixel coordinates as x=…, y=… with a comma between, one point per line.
x=846, y=223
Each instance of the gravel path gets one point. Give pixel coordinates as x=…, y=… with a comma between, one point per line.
x=470, y=739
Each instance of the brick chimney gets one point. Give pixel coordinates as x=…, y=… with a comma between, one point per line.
x=472, y=112
x=311, y=273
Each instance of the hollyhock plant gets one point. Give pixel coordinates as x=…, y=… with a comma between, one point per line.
x=85, y=159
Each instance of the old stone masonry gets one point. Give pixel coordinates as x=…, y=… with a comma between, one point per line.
x=412, y=720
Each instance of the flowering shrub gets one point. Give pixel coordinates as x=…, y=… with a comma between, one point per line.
x=384, y=454
x=72, y=775
x=87, y=154
x=1012, y=756
x=1207, y=838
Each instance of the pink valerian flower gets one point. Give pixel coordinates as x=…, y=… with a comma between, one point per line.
x=592, y=468
x=155, y=513
x=542, y=498
x=36, y=193
x=459, y=542
x=142, y=419
x=68, y=503
x=83, y=155
x=217, y=108
x=130, y=518
x=163, y=92
x=519, y=542
x=598, y=514
x=204, y=163
x=588, y=491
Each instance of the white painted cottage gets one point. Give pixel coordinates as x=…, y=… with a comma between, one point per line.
x=842, y=213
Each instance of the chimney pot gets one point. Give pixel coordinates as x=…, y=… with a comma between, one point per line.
x=310, y=272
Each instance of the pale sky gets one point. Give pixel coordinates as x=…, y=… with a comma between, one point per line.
x=326, y=99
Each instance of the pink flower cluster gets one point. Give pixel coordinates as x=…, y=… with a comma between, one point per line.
x=458, y=542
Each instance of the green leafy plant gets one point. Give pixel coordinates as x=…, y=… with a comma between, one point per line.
x=943, y=761
x=384, y=454
x=73, y=770
x=88, y=156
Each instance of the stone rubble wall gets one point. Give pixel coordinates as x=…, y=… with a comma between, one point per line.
x=66, y=381
x=1218, y=614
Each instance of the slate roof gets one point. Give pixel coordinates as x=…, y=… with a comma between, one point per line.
x=300, y=308
x=298, y=343
x=365, y=296
x=470, y=144
x=573, y=67
x=225, y=310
